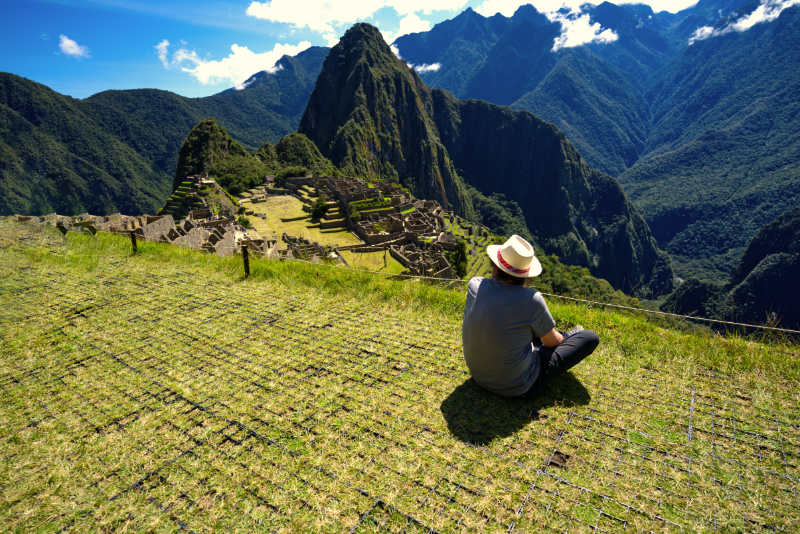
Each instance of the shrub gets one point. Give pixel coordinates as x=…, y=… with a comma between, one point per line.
x=289, y=172
x=319, y=208
x=244, y=222
x=458, y=258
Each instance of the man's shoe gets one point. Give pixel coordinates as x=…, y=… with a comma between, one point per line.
x=574, y=330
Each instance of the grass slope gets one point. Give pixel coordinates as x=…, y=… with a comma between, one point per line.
x=161, y=391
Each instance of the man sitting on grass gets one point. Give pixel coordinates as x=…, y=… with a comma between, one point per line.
x=510, y=340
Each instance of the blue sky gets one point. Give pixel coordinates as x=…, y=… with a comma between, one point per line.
x=198, y=48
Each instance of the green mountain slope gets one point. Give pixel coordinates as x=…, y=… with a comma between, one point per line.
x=724, y=154
x=54, y=157
x=577, y=213
x=369, y=113
x=117, y=150
x=209, y=152
x=764, y=288
x=590, y=102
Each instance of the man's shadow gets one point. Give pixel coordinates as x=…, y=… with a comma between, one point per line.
x=477, y=416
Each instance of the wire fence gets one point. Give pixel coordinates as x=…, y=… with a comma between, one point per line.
x=179, y=402
x=455, y=282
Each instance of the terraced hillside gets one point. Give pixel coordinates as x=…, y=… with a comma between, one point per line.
x=160, y=392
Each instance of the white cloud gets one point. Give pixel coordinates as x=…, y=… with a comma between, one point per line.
x=409, y=24
x=329, y=18
x=576, y=26
x=433, y=67
x=236, y=67
x=577, y=30
x=425, y=67
x=162, y=49
x=71, y=48
x=768, y=11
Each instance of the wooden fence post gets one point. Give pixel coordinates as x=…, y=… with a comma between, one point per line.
x=246, y=259
x=133, y=241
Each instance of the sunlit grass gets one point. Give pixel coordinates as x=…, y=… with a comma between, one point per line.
x=281, y=209
x=162, y=391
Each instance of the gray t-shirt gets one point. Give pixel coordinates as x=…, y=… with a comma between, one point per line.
x=500, y=322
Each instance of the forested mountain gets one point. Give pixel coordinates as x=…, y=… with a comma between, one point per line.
x=594, y=93
x=372, y=115
x=117, y=150
x=764, y=288
x=54, y=157
x=723, y=154
x=703, y=137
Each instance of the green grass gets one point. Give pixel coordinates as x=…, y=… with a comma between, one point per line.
x=373, y=261
x=159, y=391
x=281, y=207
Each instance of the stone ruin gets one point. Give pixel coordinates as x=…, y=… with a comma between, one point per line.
x=423, y=259
x=200, y=231
x=413, y=230
x=303, y=249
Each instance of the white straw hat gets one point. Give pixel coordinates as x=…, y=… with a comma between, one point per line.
x=515, y=257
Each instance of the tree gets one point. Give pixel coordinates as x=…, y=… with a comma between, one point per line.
x=319, y=208
x=458, y=258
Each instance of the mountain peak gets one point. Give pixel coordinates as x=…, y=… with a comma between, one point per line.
x=370, y=114
x=363, y=34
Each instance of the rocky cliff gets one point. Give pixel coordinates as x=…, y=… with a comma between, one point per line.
x=371, y=115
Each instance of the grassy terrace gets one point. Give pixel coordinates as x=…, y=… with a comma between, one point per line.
x=285, y=214
x=161, y=392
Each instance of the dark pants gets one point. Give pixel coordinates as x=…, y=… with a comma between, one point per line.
x=568, y=353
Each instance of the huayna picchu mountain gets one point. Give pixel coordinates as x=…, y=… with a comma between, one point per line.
x=373, y=116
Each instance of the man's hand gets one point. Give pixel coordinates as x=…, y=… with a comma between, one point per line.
x=552, y=338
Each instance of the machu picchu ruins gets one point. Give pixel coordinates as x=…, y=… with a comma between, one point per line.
x=381, y=215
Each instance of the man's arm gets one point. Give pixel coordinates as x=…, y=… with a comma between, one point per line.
x=552, y=338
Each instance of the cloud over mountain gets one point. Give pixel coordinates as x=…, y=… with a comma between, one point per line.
x=236, y=67
x=767, y=11
x=331, y=18
x=576, y=26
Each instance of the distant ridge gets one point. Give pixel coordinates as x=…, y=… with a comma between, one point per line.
x=702, y=137
x=764, y=288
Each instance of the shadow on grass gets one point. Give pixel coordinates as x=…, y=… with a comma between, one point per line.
x=477, y=416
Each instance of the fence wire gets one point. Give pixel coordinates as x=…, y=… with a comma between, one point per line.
x=147, y=401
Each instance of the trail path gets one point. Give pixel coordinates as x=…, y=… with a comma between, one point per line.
x=175, y=399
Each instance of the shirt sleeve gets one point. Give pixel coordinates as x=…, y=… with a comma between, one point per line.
x=542, y=322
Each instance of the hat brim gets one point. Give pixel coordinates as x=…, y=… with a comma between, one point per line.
x=534, y=270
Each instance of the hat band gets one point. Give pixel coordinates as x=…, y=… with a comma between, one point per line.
x=505, y=264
